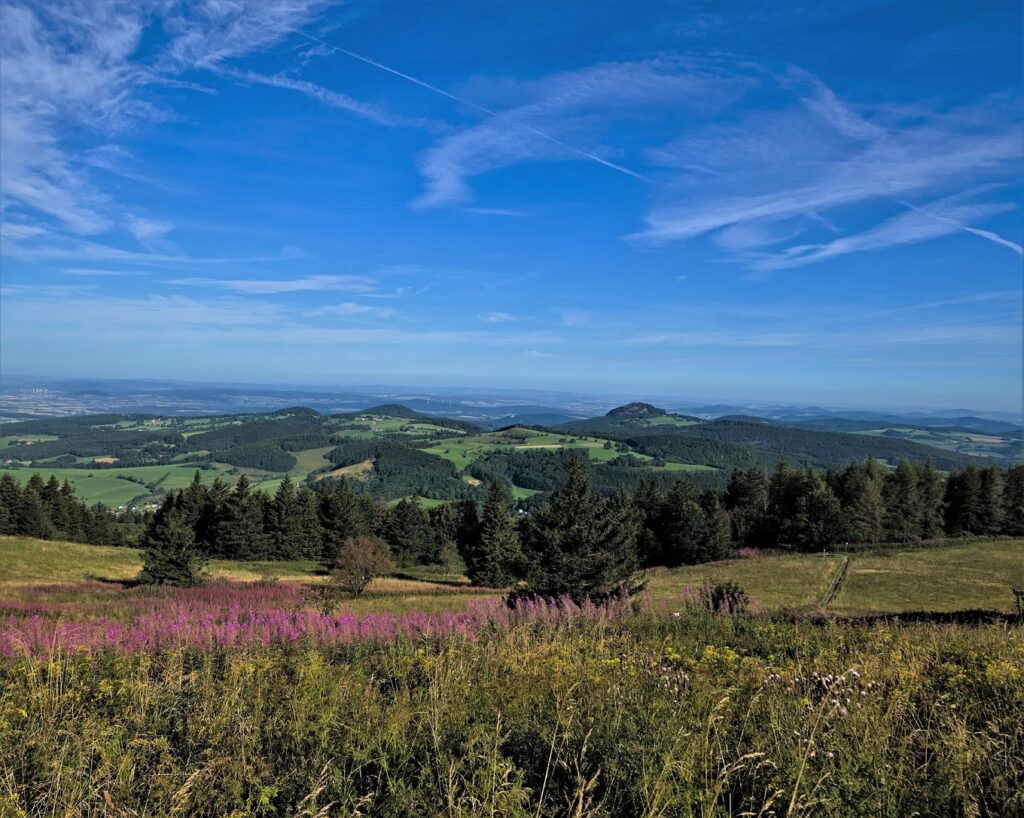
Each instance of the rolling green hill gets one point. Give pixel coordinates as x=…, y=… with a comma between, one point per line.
x=393, y=451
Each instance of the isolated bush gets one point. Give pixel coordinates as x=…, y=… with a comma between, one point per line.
x=359, y=562
x=726, y=597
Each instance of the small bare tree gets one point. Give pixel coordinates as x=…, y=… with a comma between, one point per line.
x=359, y=561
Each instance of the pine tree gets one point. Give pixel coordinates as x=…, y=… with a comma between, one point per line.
x=715, y=537
x=746, y=499
x=343, y=514
x=170, y=556
x=903, y=506
x=932, y=488
x=819, y=520
x=494, y=557
x=407, y=530
x=648, y=500
x=284, y=523
x=860, y=493
x=33, y=519
x=991, y=501
x=1013, y=501
x=239, y=532
x=580, y=544
x=681, y=526
x=10, y=504
x=963, y=502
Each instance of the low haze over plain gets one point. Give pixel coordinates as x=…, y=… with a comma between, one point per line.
x=798, y=201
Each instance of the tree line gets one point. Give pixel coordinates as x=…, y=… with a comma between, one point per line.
x=581, y=540
x=51, y=511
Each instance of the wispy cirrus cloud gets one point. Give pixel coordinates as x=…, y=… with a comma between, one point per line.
x=332, y=99
x=71, y=72
x=760, y=186
x=497, y=317
x=563, y=111
x=350, y=309
x=267, y=286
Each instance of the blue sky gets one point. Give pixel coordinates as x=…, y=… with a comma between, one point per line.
x=800, y=202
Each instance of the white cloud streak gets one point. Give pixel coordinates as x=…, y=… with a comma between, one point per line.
x=778, y=174
x=263, y=286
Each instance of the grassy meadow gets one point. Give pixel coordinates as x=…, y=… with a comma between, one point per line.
x=426, y=697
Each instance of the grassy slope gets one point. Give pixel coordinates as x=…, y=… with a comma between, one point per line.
x=974, y=575
x=978, y=575
x=26, y=562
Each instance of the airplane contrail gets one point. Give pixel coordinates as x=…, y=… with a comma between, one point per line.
x=985, y=234
x=481, y=108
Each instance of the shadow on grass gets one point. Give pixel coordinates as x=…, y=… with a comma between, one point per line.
x=453, y=583
x=972, y=616
x=119, y=583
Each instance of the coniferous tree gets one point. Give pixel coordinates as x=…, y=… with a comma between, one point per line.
x=746, y=499
x=494, y=558
x=714, y=539
x=170, y=556
x=819, y=520
x=283, y=522
x=932, y=487
x=991, y=501
x=903, y=507
x=785, y=488
x=1013, y=501
x=683, y=523
x=649, y=500
x=579, y=543
x=33, y=520
x=455, y=527
x=10, y=504
x=860, y=493
x=343, y=513
x=407, y=530
x=963, y=502
x=239, y=532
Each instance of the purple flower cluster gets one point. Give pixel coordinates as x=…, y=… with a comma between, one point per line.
x=235, y=615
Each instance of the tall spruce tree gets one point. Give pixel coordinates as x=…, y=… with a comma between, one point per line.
x=963, y=502
x=682, y=526
x=343, y=513
x=991, y=501
x=170, y=556
x=580, y=544
x=932, y=488
x=903, y=507
x=494, y=558
x=239, y=532
x=860, y=492
x=1013, y=501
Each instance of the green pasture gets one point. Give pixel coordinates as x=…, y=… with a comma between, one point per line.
x=975, y=575
x=310, y=460
x=665, y=420
x=464, y=451
x=117, y=487
x=772, y=582
x=978, y=574
x=10, y=440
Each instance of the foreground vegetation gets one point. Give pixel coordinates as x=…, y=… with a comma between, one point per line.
x=694, y=714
